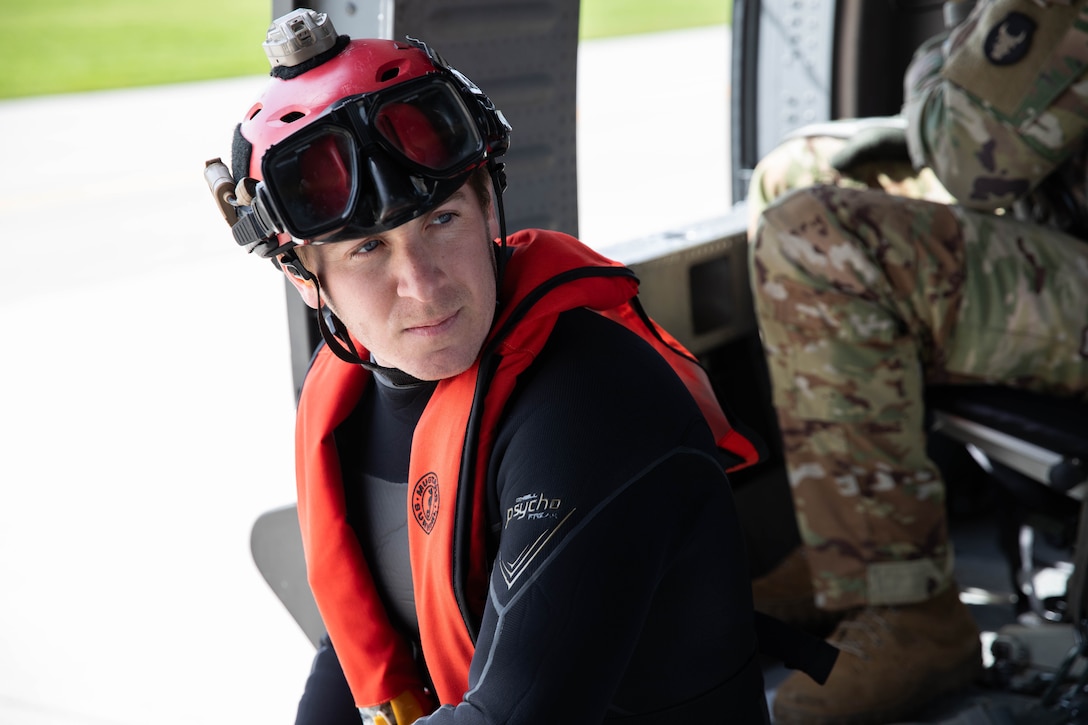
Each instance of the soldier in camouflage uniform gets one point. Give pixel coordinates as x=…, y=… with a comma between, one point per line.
x=872, y=280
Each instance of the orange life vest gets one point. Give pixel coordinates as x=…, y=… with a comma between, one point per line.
x=547, y=273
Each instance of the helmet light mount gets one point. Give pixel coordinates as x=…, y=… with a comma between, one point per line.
x=298, y=36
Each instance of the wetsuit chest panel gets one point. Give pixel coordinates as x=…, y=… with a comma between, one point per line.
x=375, y=466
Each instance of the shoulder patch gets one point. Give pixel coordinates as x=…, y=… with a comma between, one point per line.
x=1010, y=40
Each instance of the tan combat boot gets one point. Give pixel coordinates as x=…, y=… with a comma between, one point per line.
x=786, y=593
x=892, y=662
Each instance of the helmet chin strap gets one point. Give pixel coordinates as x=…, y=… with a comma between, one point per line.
x=335, y=334
x=339, y=341
x=497, y=171
x=332, y=330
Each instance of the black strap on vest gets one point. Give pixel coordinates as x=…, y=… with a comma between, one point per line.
x=742, y=695
x=741, y=698
x=795, y=648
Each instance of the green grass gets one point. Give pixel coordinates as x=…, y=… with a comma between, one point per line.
x=608, y=18
x=78, y=45
x=64, y=46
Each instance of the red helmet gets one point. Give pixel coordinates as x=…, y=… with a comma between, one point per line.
x=354, y=137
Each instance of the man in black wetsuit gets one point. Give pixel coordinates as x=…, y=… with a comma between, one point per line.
x=512, y=484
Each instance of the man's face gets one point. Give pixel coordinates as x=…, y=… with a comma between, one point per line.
x=421, y=297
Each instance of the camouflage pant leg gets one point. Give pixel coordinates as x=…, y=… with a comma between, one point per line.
x=862, y=298
x=1024, y=317
x=803, y=161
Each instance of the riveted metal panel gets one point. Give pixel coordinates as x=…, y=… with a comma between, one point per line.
x=796, y=62
x=781, y=70
x=523, y=54
x=357, y=18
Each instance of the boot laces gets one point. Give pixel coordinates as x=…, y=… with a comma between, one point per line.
x=860, y=634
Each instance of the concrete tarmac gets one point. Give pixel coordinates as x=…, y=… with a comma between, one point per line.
x=147, y=410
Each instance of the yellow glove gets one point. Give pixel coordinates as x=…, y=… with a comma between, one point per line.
x=404, y=709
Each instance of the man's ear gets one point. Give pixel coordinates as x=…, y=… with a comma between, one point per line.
x=302, y=280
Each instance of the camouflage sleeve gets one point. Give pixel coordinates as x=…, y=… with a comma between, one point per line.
x=998, y=104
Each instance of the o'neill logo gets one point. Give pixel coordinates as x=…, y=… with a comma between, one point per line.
x=425, y=502
x=533, y=506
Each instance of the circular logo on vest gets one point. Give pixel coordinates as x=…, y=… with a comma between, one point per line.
x=425, y=501
x=1010, y=40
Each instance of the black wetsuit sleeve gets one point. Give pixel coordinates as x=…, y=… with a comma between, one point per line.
x=620, y=583
x=326, y=699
